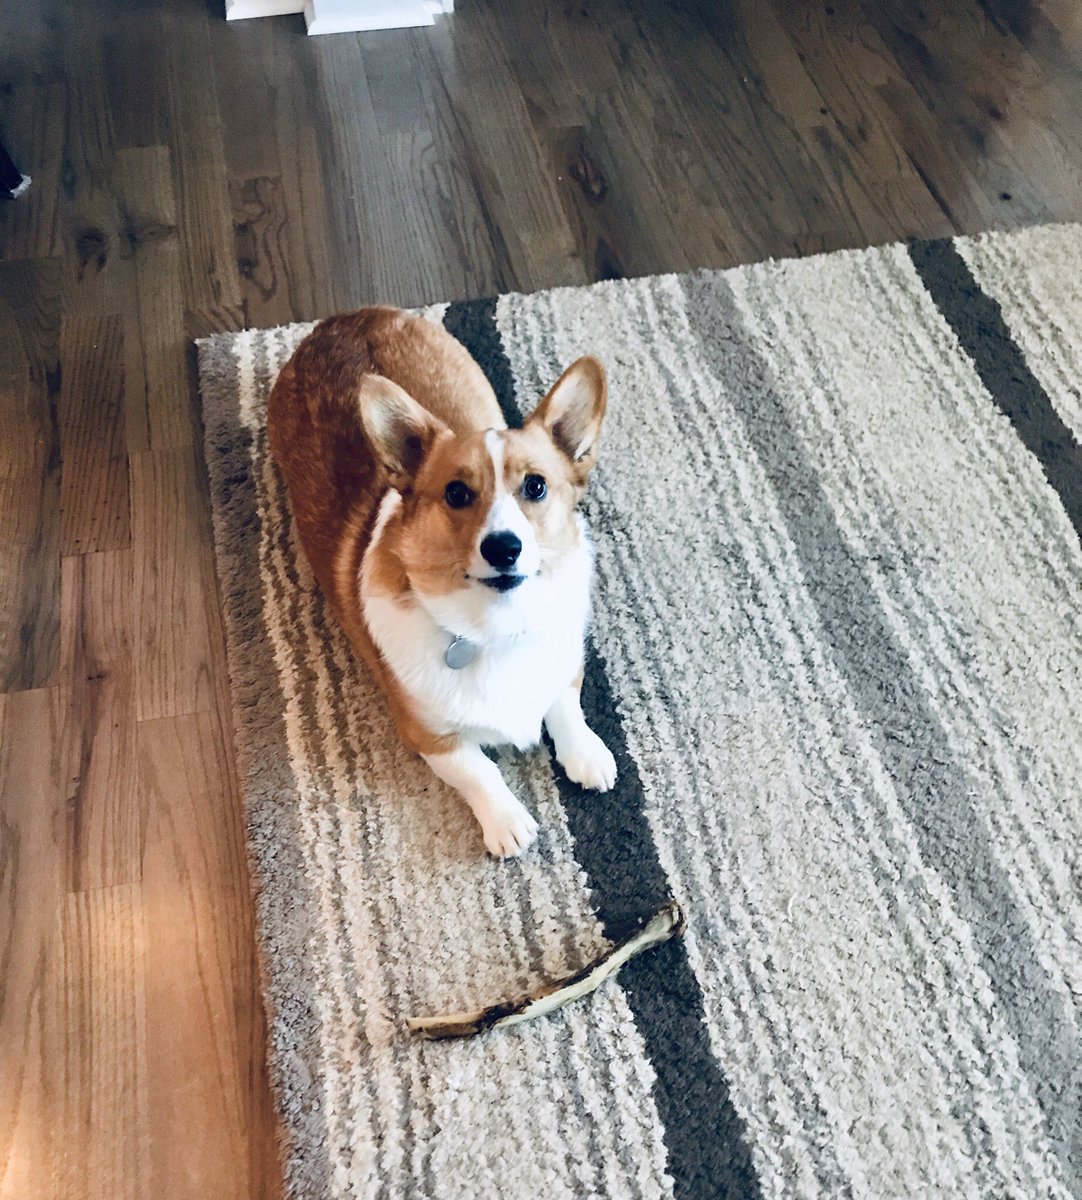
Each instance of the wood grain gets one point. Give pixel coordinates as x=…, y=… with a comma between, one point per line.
x=103, y=807
x=512, y=170
x=877, y=110
x=201, y=963
x=29, y=474
x=192, y=176
x=992, y=116
x=94, y=272
x=134, y=58
x=201, y=182
x=261, y=228
x=33, y=112
x=94, y=507
x=279, y=142
x=31, y=891
x=176, y=662
x=156, y=400
x=103, y=1131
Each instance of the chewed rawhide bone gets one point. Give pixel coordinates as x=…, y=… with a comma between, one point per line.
x=667, y=922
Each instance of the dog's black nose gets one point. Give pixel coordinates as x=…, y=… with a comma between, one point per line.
x=501, y=550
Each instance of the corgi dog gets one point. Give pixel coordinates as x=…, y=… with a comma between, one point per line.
x=449, y=547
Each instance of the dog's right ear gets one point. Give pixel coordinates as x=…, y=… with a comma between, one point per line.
x=401, y=431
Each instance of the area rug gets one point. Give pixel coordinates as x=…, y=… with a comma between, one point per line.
x=837, y=650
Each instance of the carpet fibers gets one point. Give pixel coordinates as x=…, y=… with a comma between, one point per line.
x=837, y=652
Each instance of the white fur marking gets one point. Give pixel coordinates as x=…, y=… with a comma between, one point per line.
x=506, y=824
x=388, y=506
x=581, y=753
x=506, y=515
x=494, y=446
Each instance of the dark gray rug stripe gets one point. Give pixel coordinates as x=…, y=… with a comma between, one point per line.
x=704, y=1135
x=935, y=789
x=977, y=321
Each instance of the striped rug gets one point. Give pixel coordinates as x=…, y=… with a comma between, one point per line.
x=837, y=652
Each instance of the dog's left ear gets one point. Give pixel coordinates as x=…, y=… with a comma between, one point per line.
x=572, y=412
x=401, y=431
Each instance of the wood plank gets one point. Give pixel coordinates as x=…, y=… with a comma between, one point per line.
x=1051, y=31
x=204, y=1017
x=157, y=411
x=512, y=170
x=209, y=276
x=395, y=82
x=94, y=478
x=485, y=255
x=103, y=1128
x=31, y=821
x=600, y=184
x=345, y=128
x=95, y=275
x=29, y=474
x=881, y=116
x=105, y=817
x=177, y=646
x=134, y=58
x=251, y=58
x=277, y=140
x=546, y=47
x=29, y=573
x=261, y=226
x=317, y=270
x=992, y=106
x=427, y=259
x=762, y=167
x=696, y=125
x=30, y=225
x=867, y=179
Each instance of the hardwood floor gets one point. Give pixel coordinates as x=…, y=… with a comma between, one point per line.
x=191, y=176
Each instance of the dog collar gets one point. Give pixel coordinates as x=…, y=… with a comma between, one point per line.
x=460, y=653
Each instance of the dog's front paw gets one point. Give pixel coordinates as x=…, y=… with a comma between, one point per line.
x=508, y=828
x=588, y=761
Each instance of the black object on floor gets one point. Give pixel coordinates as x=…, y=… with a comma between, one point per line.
x=12, y=180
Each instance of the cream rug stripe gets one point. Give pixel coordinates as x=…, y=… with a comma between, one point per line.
x=636, y=362
x=285, y=915
x=829, y=455
x=890, y=577
x=333, y=1005
x=943, y=673
x=616, y=850
x=889, y=460
x=693, y=1145
x=943, y=779
x=837, y=652
x=671, y=469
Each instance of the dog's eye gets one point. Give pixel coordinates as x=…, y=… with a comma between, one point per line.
x=534, y=487
x=457, y=494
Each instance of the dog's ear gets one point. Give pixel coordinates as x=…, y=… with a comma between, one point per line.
x=401, y=431
x=572, y=412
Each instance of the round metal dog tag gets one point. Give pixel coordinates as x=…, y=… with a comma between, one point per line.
x=460, y=653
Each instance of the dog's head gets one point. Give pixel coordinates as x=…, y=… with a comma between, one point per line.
x=485, y=514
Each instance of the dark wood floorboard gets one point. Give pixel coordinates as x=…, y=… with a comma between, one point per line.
x=193, y=176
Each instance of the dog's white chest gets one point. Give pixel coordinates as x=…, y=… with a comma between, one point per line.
x=502, y=694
